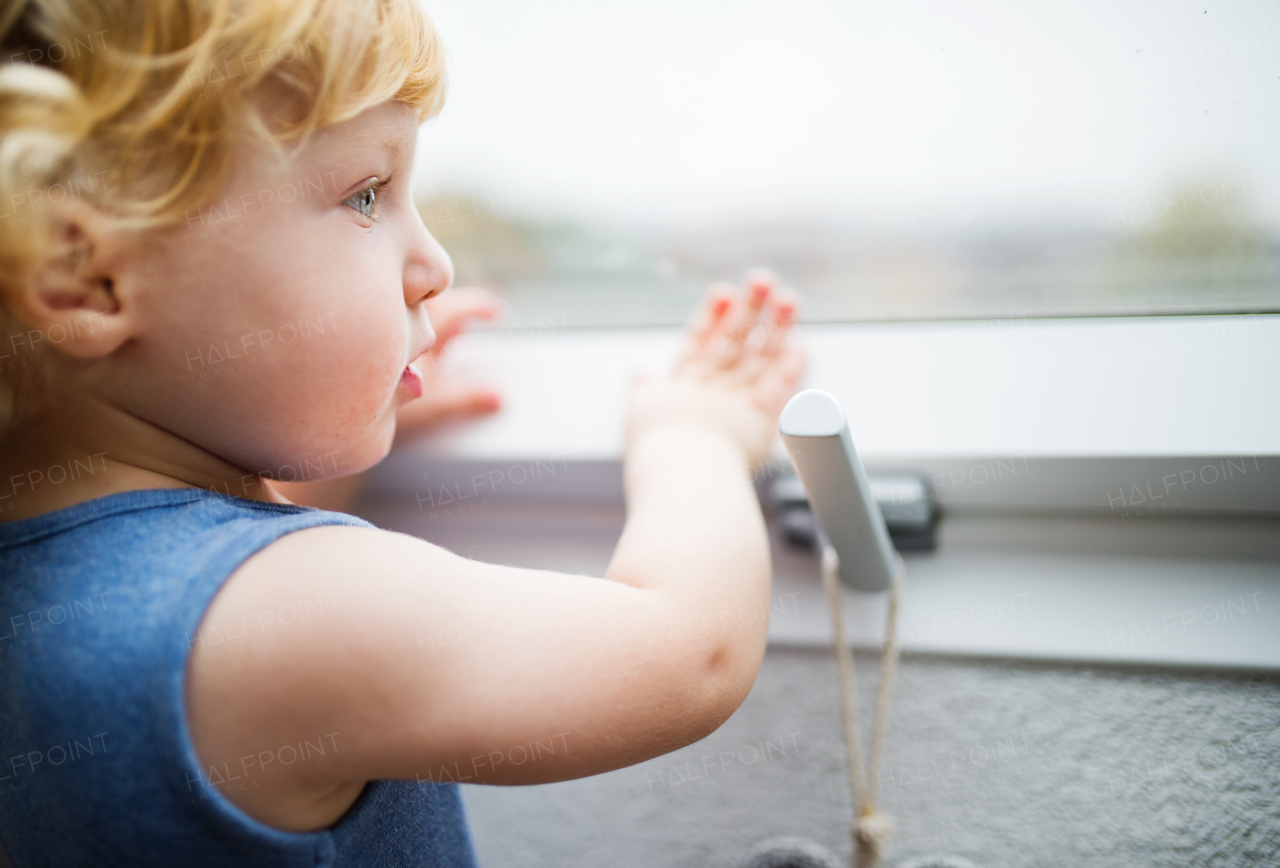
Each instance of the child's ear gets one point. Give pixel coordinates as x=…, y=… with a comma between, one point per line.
x=72, y=299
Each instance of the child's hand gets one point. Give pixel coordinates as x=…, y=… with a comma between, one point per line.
x=443, y=398
x=737, y=370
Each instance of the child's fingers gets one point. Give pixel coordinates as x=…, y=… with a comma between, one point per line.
x=778, y=382
x=477, y=299
x=445, y=400
x=451, y=311
x=740, y=320
x=768, y=338
x=710, y=310
x=749, y=367
x=704, y=322
x=785, y=305
x=758, y=283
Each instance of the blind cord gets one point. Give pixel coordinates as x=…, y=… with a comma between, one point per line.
x=870, y=829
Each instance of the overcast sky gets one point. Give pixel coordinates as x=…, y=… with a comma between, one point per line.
x=997, y=110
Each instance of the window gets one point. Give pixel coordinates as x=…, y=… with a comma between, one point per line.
x=600, y=163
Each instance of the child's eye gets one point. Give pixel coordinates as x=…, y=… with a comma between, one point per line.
x=363, y=201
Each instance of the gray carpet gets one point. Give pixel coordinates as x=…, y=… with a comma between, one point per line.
x=1004, y=764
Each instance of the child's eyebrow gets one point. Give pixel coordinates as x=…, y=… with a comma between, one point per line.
x=387, y=142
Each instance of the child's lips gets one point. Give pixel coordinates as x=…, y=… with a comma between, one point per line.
x=411, y=379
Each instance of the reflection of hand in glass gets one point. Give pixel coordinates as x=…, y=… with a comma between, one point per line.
x=443, y=398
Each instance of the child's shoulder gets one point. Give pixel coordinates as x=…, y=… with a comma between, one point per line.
x=125, y=513
x=154, y=556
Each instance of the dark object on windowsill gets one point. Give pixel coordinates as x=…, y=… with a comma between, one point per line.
x=938, y=862
x=907, y=503
x=787, y=852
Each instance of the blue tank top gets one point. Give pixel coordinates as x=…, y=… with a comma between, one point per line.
x=100, y=604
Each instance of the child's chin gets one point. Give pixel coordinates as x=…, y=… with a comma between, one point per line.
x=352, y=455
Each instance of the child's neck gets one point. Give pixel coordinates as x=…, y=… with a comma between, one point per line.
x=83, y=449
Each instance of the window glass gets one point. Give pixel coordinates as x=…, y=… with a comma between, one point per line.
x=600, y=163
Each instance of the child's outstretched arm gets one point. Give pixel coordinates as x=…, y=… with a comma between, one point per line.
x=425, y=665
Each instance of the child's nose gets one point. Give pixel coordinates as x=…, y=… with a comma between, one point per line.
x=428, y=270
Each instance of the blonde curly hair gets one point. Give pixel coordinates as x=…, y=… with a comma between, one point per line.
x=135, y=106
